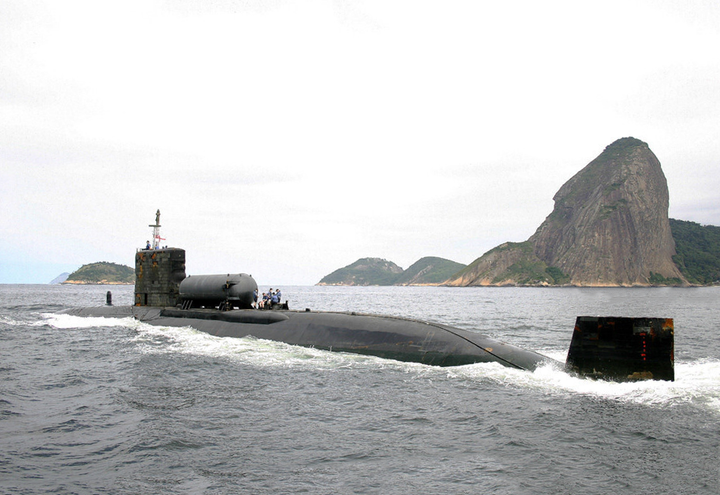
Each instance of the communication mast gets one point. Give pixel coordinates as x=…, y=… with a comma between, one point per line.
x=156, y=231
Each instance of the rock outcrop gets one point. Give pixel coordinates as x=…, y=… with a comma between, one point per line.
x=609, y=227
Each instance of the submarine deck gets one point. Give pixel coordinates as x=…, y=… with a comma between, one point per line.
x=388, y=337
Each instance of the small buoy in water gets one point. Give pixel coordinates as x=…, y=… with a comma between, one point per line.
x=108, y=298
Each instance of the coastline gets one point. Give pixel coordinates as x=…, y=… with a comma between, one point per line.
x=99, y=282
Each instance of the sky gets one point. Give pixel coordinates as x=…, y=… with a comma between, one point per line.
x=287, y=139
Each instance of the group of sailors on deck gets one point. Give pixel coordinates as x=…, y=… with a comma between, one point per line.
x=269, y=299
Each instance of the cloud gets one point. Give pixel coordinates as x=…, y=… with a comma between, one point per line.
x=293, y=138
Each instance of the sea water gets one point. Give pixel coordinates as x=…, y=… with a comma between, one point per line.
x=93, y=405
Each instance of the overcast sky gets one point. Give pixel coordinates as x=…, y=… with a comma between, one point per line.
x=287, y=139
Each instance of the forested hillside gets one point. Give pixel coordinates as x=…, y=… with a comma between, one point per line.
x=698, y=251
x=102, y=272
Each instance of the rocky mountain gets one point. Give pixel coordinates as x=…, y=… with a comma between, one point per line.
x=102, y=273
x=376, y=271
x=609, y=227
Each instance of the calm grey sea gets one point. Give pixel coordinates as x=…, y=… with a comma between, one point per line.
x=116, y=406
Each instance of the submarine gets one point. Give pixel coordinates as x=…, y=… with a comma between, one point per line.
x=223, y=305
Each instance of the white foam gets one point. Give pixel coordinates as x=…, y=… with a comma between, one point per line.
x=258, y=352
x=696, y=382
x=70, y=321
x=554, y=354
x=6, y=320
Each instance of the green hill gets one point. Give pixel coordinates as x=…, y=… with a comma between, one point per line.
x=698, y=251
x=377, y=271
x=365, y=271
x=429, y=271
x=102, y=272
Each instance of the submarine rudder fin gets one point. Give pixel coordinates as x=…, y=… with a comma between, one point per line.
x=623, y=348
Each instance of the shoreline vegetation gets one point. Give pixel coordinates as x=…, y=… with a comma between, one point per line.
x=98, y=282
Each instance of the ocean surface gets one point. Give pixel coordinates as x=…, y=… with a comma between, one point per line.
x=92, y=405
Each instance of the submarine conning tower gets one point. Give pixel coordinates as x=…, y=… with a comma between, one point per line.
x=160, y=281
x=158, y=273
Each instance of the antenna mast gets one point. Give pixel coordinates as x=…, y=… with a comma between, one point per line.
x=156, y=231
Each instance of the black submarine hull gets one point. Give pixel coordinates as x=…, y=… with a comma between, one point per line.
x=387, y=337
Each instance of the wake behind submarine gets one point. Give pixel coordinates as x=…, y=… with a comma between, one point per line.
x=614, y=348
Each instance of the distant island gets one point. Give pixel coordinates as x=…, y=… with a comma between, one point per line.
x=102, y=273
x=377, y=271
x=60, y=278
x=609, y=228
